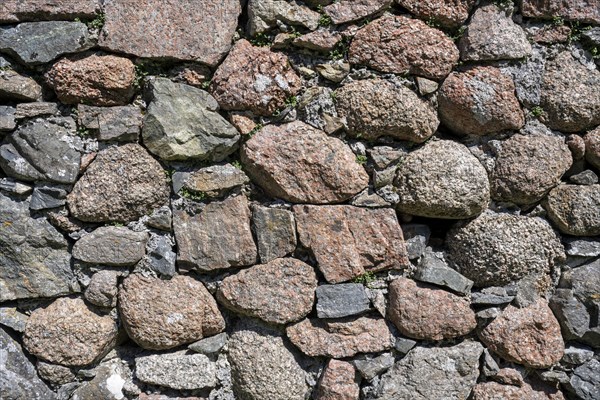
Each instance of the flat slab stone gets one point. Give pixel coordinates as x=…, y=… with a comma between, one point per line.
x=345, y=11
x=342, y=300
x=119, y=123
x=449, y=14
x=14, y=86
x=37, y=109
x=39, y=10
x=216, y=180
x=433, y=268
x=111, y=245
x=582, y=11
x=7, y=118
x=13, y=318
x=275, y=230
x=177, y=370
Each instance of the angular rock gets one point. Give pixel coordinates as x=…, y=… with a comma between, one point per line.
x=371, y=367
x=108, y=383
x=100, y=80
x=416, y=237
x=69, y=333
x=529, y=336
x=592, y=148
x=121, y=184
x=12, y=318
x=568, y=97
x=585, y=11
x=119, y=124
x=495, y=249
x=585, y=381
x=263, y=366
x=491, y=296
x=585, y=282
x=18, y=377
x=528, y=166
x=321, y=40
x=340, y=338
x=587, y=177
x=216, y=180
x=161, y=314
x=301, y=164
x=15, y=11
x=219, y=237
x=17, y=87
x=255, y=79
x=45, y=197
x=265, y=14
x=102, y=290
x=492, y=35
x=447, y=315
x=37, y=109
x=275, y=231
x=210, y=345
x=11, y=186
x=449, y=14
x=33, y=254
x=345, y=11
x=432, y=373
x=161, y=257
x=375, y=108
x=177, y=370
x=196, y=30
x=111, y=245
x=571, y=313
x=399, y=45
x=280, y=292
x=161, y=218
x=577, y=354
x=338, y=382
x=182, y=122
x=442, y=180
x=7, y=118
x=479, y=101
x=575, y=209
x=521, y=391
x=582, y=247
x=348, y=241
x=41, y=42
x=432, y=268
x=343, y=300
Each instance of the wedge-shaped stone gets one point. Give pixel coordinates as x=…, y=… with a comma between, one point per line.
x=111, y=245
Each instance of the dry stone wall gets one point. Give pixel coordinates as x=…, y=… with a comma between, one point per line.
x=290, y=200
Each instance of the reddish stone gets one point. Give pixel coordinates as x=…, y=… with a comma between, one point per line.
x=587, y=11
x=338, y=382
x=592, y=147
x=40, y=10
x=514, y=389
x=345, y=11
x=577, y=146
x=448, y=14
x=550, y=34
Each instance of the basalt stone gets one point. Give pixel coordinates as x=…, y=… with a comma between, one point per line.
x=375, y=108
x=528, y=166
x=45, y=197
x=342, y=300
x=210, y=345
x=582, y=247
x=111, y=245
x=218, y=237
x=586, y=11
x=592, y=147
x=495, y=249
x=371, y=367
x=14, y=10
x=17, y=87
x=301, y=164
x=348, y=241
x=433, y=268
x=426, y=313
x=338, y=382
x=416, y=237
x=182, y=122
x=198, y=30
x=7, y=118
x=159, y=314
x=587, y=177
x=177, y=370
x=275, y=231
x=479, y=101
x=13, y=318
x=266, y=14
x=121, y=184
x=216, y=180
x=585, y=381
x=345, y=11
x=255, y=79
x=33, y=254
x=37, y=109
x=102, y=289
x=575, y=209
x=577, y=354
x=442, y=180
x=571, y=313
x=161, y=257
x=397, y=44
x=529, y=336
x=280, y=292
x=119, y=124
x=585, y=282
x=41, y=42
x=69, y=333
x=10, y=185
x=449, y=14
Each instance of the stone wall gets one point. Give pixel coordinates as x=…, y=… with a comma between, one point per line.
x=278, y=200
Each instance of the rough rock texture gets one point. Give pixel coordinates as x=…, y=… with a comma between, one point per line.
x=495, y=249
x=338, y=382
x=433, y=268
x=347, y=241
x=219, y=237
x=41, y=42
x=263, y=366
x=254, y=78
x=398, y=44
x=281, y=291
x=575, y=209
x=265, y=14
x=375, y=108
x=182, y=123
x=199, y=30
x=69, y=333
x=518, y=391
x=492, y=35
x=568, y=96
x=528, y=166
x=33, y=255
x=432, y=373
x=7, y=118
x=14, y=86
x=447, y=315
x=449, y=14
x=275, y=231
x=479, y=101
x=586, y=382
x=583, y=11
x=161, y=314
x=15, y=10
x=345, y=11
x=177, y=370
x=108, y=383
x=111, y=245
x=442, y=180
x=340, y=338
x=102, y=290
x=529, y=336
x=217, y=180
x=119, y=124
x=121, y=184
x=342, y=300
x=301, y=164
x=592, y=147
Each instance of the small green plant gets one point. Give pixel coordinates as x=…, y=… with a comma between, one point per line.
x=257, y=128
x=115, y=223
x=557, y=20
x=98, y=22
x=433, y=22
x=503, y=3
x=291, y=101
x=140, y=74
x=237, y=164
x=537, y=111
x=340, y=50
x=360, y=159
x=262, y=40
x=458, y=34
x=333, y=95
x=205, y=85
x=169, y=174
x=324, y=20
x=365, y=278
x=194, y=196
x=83, y=132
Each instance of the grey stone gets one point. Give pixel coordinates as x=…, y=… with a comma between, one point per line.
x=591, y=36
x=210, y=345
x=404, y=345
x=55, y=374
x=177, y=370
x=265, y=14
x=341, y=300
x=14, y=86
x=108, y=383
x=527, y=76
x=584, y=247
x=491, y=296
x=369, y=368
x=11, y=186
x=555, y=376
x=575, y=209
x=488, y=313
x=368, y=198
x=216, y=180
x=385, y=156
x=433, y=268
x=587, y=177
x=577, y=354
x=585, y=381
x=44, y=197
x=585, y=281
x=571, y=314
x=316, y=107
x=15, y=11
x=33, y=254
x=37, y=109
x=13, y=318
x=416, y=237
x=7, y=118
x=490, y=366
x=18, y=377
x=182, y=122
x=111, y=245
x=41, y=42
x=275, y=230
x=529, y=289
x=102, y=289
x=161, y=218
x=432, y=373
x=15, y=165
x=4, y=63
x=119, y=124
x=161, y=257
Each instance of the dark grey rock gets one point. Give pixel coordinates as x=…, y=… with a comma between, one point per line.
x=488, y=313
x=577, y=354
x=371, y=367
x=416, y=237
x=14, y=86
x=18, y=377
x=33, y=254
x=275, y=230
x=555, y=376
x=119, y=124
x=384, y=156
x=585, y=381
x=177, y=370
x=161, y=257
x=11, y=186
x=384, y=177
x=41, y=42
x=111, y=245
x=585, y=281
x=15, y=165
x=161, y=218
x=571, y=314
x=341, y=300
x=591, y=36
x=433, y=268
x=490, y=366
x=108, y=383
x=368, y=198
x=7, y=118
x=37, y=109
x=491, y=296
x=210, y=345
x=404, y=345
x=528, y=290
x=44, y=197
x=584, y=247
x=13, y=318
x=587, y=177
x=102, y=290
